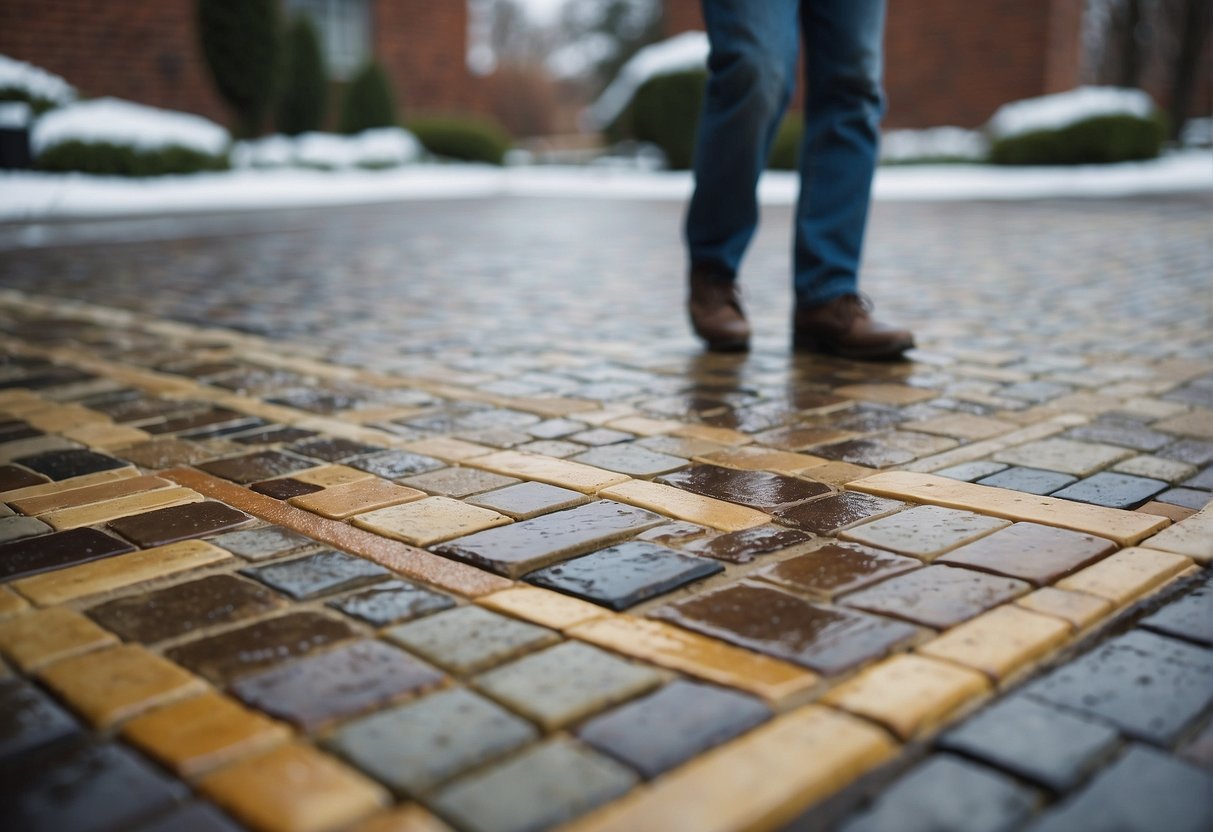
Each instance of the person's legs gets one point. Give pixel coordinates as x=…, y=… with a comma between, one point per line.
x=843, y=106
x=751, y=70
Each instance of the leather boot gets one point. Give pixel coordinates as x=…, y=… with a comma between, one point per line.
x=716, y=314
x=845, y=327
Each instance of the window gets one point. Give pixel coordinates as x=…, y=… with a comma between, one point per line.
x=344, y=27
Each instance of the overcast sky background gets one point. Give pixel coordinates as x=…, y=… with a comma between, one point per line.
x=542, y=10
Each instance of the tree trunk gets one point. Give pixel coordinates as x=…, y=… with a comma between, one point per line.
x=1193, y=36
x=1130, y=46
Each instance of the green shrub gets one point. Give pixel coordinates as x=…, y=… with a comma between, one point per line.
x=303, y=98
x=1098, y=140
x=785, y=150
x=241, y=42
x=109, y=159
x=37, y=104
x=665, y=111
x=466, y=139
x=368, y=101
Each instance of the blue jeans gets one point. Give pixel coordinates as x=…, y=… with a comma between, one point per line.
x=751, y=73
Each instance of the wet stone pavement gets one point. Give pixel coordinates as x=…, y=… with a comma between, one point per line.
x=433, y=516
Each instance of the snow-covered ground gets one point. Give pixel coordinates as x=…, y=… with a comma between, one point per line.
x=26, y=196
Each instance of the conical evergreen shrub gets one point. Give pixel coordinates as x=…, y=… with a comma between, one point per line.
x=368, y=101
x=303, y=98
x=241, y=42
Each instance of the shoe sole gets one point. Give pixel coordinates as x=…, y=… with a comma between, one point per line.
x=727, y=346
x=808, y=344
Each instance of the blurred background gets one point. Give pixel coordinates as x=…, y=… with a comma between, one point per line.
x=572, y=81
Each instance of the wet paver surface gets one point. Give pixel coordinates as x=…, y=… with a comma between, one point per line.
x=433, y=516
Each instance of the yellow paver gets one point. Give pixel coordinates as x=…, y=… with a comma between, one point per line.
x=294, y=788
x=73, y=482
x=63, y=417
x=839, y=473
x=1078, y=608
x=1197, y=423
x=885, y=393
x=103, y=512
x=116, y=683
x=328, y=476
x=408, y=818
x=428, y=521
x=1125, y=527
x=706, y=658
x=203, y=732
x=683, y=505
x=724, y=436
x=999, y=642
x=1126, y=574
x=561, y=472
x=118, y=572
x=764, y=459
x=11, y=603
x=755, y=783
x=103, y=436
x=1192, y=537
x=644, y=426
x=341, y=501
x=88, y=495
x=962, y=426
x=43, y=636
x=543, y=607
x=908, y=694
x=448, y=449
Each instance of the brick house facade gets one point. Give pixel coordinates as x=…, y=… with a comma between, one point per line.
x=149, y=52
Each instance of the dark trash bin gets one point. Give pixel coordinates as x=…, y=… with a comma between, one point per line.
x=15, y=119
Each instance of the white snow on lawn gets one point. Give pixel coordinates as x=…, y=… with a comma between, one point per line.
x=681, y=52
x=26, y=196
x=939, y=143
x=37, y=83
x=120, y=122
x=384, y=147
x=1053, y=112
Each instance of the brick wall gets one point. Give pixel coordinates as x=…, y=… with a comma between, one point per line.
x=143, y=51
x=423, y=46
x=956, y=61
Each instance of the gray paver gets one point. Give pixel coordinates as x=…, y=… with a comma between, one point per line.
x=469, y=639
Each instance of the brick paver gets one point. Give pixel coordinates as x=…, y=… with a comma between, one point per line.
x=272, y=505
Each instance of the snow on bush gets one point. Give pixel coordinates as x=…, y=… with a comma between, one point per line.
x=681, y=52
x=954, y=144
x=15, y=115
x=29, y=83
x=1055, y=112
x=122, y=123
x=379, y=148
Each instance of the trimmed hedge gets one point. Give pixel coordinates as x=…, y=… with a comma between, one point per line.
x=37, y=104
x=107, y=159
x=785, y=150
x=465, y=139
x=304, y=96
x=1098, y=140
x=368, y=102
x=665, y=111
x=241, y=43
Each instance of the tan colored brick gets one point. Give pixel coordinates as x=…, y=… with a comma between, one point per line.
x=342, y=501
x=432, y=520
x=1171, y=512
x=11, y=603
x=1078, y=608
x=408, y=818
x=1198, y=423
x=961, y=426
x=669, y=646
x=723, y=436
x=754, y=458
x=73, y=482
x=761, y=781
x=839, y=473
x=328, y=476
x=1067, y=455
x=999, y=642
x=74, y=497
x=543, y=607
x=116, y=683
x=64, y=417
x=202, y=733
x=644, y=426
x=908, y=694
x=885, y=393
x=1192, y=537
x=119, y=571
x=103, y=512
x=683, y=505
x=574, y=475
x=448, y=449
x=1126, y=575
x=105, y=437
x=38, y=638
x=1125, y=527
x=293, y=788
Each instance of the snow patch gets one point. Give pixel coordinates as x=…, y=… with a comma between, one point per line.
x=379, y=148
x=1060, y=110
x=37, y=83
x=15, y=115
x=113, y=121
x=936, y=143
x=681, y=52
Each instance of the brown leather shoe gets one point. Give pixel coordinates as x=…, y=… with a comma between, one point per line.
x=716, y=314
x=845, y=327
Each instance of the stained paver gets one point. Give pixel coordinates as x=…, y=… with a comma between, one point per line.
x=470, y=639
x=321, y=573
x=1040, y=554
x=390, y=601
x=747, y=544
x=924, y=531
x=938, y=596
x=29, y=719
x=623, y=575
